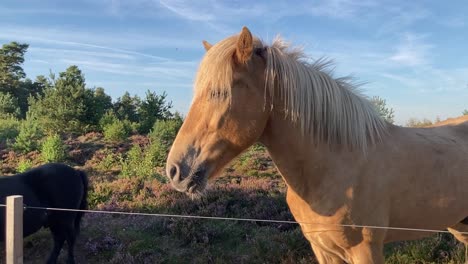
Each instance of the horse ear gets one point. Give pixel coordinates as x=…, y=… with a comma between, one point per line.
x=244, y=47
x=207, y=45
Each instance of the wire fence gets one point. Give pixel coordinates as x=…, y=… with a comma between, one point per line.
x=272, y=221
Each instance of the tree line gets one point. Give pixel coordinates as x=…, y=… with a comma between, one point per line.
x=62, y=102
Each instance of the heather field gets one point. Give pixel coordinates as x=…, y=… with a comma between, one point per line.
x=123, y=179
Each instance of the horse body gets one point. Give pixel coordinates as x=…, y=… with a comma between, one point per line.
x=51, y=185
x=416, y=178
x=343, y=164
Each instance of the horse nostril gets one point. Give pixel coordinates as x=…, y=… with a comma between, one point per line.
x=173, y=172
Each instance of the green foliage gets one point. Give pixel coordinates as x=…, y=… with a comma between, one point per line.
x=9, y=128
x=41, y=83
x=126, y=107
x=141, y=162
x=414, y=122
x=132, y=127
x=385, y=112
x=12, y=80
x=24, y=165
x=28, y=137
x=9, y=106
x=76, y=109
x=97, y=103
x=11, y=59
x=153, y=108
x=109, y=161
x=465, y=112
x=28, y=89
x=440, y=248
x=98, y=194
x=165, y=131
x=131, y=165
x=162, y=136
x=108, y=118
x=53, y=149
x=116, y=131
x=67, y=98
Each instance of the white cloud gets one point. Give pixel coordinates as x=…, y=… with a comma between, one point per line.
x=340, y=8
x=40, y=61
x=52, y=52
x=412, y=51
x=121, y=42
x=400, y=18
x=5, y=11
x=191, y=10
x=229, y=11
x=174, y=71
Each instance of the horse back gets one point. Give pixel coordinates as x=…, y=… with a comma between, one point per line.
x=56, y=185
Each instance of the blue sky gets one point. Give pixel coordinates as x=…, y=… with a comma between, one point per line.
x=412, y=54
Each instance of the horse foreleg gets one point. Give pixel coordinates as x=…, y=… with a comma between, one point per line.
x=324, y=257
x=460, y=232
x=367, y=253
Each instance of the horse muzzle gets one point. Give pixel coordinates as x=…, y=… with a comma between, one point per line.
x=185, y=179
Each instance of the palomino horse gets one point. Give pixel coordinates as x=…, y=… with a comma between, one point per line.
x=343, y=164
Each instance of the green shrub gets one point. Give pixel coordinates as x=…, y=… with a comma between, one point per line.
x=9, y=107
x=53, y=149
x=116, y=131
x=9, y=128
x=28, y=137
x=132, y=127
x=99, y=193
x=414, y=122
x=107, y=119
x=109, y=161
x=131, y=164
x=165, y=131
x=155, y=154
x=141, y=162
x=24, y=165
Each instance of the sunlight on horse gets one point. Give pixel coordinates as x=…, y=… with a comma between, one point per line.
x=342, y=162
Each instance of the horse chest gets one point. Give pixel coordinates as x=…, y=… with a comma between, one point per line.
x=320, y=230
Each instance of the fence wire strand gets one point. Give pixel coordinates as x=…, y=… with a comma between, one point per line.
x=239, y=219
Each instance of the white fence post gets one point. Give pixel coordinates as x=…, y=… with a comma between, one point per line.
x=14, y=229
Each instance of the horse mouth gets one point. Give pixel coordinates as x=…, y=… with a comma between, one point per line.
x=197, y=182
x=192, y=189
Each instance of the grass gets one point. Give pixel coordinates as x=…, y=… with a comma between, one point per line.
x=440, y=248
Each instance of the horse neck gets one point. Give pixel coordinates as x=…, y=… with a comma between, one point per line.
x=309, y=169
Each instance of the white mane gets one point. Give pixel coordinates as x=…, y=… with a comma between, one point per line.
x=330, y=109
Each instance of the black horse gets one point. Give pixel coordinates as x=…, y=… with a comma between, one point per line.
x=51, y=185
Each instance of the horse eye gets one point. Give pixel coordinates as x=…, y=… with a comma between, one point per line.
x=218, y=94
x=260, y=52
